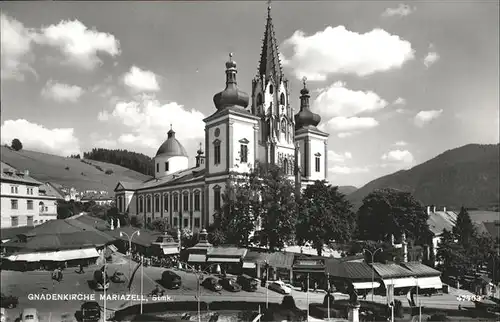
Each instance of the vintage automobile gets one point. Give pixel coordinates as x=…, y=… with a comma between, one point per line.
x=280, y=287
x=9, y=301
x=91, y=311
x=212, y=283
x=248, y=283
x=118, y=277
x=171, y=280
x=230, y=284
x=30, y=315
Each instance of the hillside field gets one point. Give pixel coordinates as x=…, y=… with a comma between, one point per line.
x=80, y=175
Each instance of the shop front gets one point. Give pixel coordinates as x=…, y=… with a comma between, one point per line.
x=227, y=259
x=309, y=271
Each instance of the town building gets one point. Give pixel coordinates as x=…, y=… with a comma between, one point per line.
x=24, y=200
x=237, y=137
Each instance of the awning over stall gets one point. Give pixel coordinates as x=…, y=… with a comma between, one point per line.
x=249, y=265
x=365, y=285
x=197, y=258
x=429, y=282
x=400, y=282
x=170, y=250
x=223, y=260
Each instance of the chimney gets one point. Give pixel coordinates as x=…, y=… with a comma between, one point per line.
x=26, y=173
x=434, y=209
x=444, y=209
x=428, y=210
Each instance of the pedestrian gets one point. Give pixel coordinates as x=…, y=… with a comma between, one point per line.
x=81, y=269
x=315, y=286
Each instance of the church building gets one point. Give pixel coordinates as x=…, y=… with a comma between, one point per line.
x=237, y=136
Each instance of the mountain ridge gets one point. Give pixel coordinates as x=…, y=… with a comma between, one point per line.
x=467, y=175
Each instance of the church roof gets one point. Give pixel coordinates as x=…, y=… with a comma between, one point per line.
x=231, y=96
x=171, y=147
x=270, y=65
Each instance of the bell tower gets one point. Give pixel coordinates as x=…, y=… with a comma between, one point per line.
x=270, y=102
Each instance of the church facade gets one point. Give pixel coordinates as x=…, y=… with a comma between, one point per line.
x=237, y=136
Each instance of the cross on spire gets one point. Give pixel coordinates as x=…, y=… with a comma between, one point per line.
x=268, y=5
x=230, y=56
x=170, y=126
x=304, y=80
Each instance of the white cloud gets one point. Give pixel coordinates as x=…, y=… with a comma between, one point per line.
x=148, y=122
x=347, y=124
x=59, y=141
x=141, y=80
x=336, y=157
x=401, y=143
x=424, y=117
x=62, y=92
x=343, y=135
x=402, y=10
x=432, y=56
x=338, y=50
x=16, y=41
x=399, y=101
x=404, y=156
x=347, y=170
x=337, y=100
x=79, y=44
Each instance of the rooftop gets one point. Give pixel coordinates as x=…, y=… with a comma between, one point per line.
x=10, y=173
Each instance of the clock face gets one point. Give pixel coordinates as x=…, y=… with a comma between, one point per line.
x=217, y=132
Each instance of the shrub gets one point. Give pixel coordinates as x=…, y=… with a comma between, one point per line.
x=99, y=168
x=109, y=171
x=83, y=174
x=67, y=168
x=136, y=222
x=16, y=145
x=439, y=316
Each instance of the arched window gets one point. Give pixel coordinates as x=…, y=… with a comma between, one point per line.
x=271, y=89
x=285, y=166
x=282, y=99
x=259, y=99
x=141, y=204
x=157, y=203
x=41, y=206
x=165, y=202
x=283, y=126
x=148, y=203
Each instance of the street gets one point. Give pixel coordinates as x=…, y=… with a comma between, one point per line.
x=23, y=284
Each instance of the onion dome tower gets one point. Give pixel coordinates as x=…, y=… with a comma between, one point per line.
x=306, y=118
x=231, y=96
x=170, y=157
x=311, y=143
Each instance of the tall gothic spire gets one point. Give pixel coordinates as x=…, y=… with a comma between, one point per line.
x=270, y=65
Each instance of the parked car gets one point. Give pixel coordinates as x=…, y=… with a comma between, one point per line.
x=3, y=315
x=91, y=311
x=171, y=280
x=118, y=277
x=230, y=284
x=30, y=315
x=248, y=283
x=280, y=287
x=9, y=301
x=101, y=280
x=212, y=283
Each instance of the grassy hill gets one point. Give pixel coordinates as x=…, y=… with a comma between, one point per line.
x=81, y=174
x=468, y=175
x=347, y=190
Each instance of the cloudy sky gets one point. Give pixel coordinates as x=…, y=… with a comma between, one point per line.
x=396, y=84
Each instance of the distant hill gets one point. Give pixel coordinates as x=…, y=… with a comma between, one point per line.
x=78, y=173
x=128, y=159
x=347, y=190
x=468, y=175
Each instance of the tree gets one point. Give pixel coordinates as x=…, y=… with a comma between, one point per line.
x=389, y=212
x=325, y=216
x=464, y=229
x=216, y=235
x=16, y=145
x=237, y=215
x=277, y=209
x=160, y=224
x=136, y=221
x=452, y=257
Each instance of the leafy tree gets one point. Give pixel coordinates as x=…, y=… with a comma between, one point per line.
x=237, y=215
x=389, y=212
x=16, y=145
x=452, y=257
x=464, y=229
x=159, y=224
x=325, y=216
x=136, y=221
x=216, y=235
x=277, y=209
